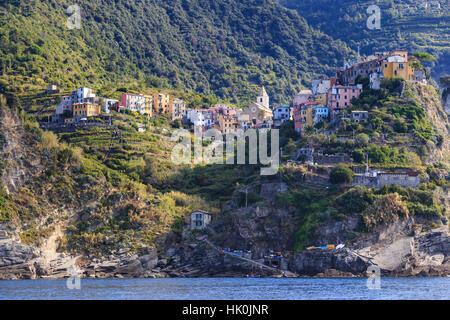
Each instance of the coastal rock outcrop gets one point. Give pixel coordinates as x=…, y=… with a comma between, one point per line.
x=16, y=260
x=400, y=249
x=341, y=262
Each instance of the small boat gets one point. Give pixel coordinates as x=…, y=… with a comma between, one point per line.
x=253, y=276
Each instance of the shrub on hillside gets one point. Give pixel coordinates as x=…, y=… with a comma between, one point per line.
x=385, y=209
x=341, y=174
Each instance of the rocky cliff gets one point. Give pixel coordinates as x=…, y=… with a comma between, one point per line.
x=405, y=248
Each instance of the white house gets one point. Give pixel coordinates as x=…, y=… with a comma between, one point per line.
x=81, y=95
x=109, y=103
x=200, y=219
x=200, y=118
x=375, y=80
x=281, y=114
x=320, y=114
x=321, y=86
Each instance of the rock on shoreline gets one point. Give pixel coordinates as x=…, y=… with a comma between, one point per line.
x=396, y=250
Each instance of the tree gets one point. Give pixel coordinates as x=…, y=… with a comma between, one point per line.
x=358, y=156
x=365, y=81
x=386, y=209
x=424, y=56
x=287, y=132
x=362, y=139
x=290, y=147
x=341, y=174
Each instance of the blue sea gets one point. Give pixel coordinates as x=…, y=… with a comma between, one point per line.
x=228, y=289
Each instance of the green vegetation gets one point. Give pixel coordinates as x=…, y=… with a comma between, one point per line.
x=116, y=191
x=374, y=207
x=404, y=24
x=341, y=174
x=225, y=48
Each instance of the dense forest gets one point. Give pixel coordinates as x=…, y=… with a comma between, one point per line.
x=404, y=24
x=225, y=48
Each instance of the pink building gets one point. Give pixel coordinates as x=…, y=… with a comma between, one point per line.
x=303, y=96
x=340, y=97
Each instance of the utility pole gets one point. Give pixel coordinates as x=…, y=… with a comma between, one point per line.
x=246, y=197
x=367, y=164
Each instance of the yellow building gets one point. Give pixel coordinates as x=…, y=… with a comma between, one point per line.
x=307, y=115
x=321, y=99
x=147, y=107
x=85, y=110
x=397, y=68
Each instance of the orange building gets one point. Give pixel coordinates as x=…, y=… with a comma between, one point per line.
x=227, y=123
x=161, y=103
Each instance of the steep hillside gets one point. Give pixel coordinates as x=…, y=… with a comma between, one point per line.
x=428, y=97
x=404, y=24
x=222, y=47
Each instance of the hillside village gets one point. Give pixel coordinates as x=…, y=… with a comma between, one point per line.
x=325, y=102
x=321, y=109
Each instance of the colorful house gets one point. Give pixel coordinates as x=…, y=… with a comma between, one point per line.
x=281, y=114
x=161, y=102
x=304, y=116
x=303, y=96
x=340, y=97
x=85, y=110
x=227, y=123
x=397, y=67
x=321, y=114
x=137, y=103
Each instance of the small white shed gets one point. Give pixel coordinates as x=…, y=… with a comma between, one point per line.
x=200, y=219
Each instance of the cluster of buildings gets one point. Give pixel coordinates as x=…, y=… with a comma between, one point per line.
x=258, y=115
x=324, y=102
x=329, y=97
x=379, y=65
x=152, y=105
x=83, y=104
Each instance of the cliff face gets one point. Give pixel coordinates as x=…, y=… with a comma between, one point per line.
x=18, y=162
x=405, y=248
x=428, y=97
